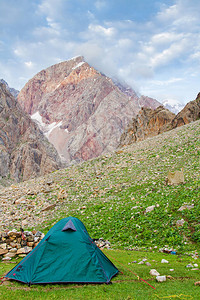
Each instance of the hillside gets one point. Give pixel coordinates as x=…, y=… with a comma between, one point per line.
x=111, y=194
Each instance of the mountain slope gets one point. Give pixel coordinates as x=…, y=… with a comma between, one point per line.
x=13, y=91
x=24, y=151
x=113, y=194
x=82, y=112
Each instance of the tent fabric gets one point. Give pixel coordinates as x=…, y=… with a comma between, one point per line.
x=65, y=257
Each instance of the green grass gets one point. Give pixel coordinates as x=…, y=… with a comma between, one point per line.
x=110, y=195
x=124, y=286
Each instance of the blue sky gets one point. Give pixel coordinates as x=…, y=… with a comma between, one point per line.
x=152, y=45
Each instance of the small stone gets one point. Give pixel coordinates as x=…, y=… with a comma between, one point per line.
x=6, y=258
x=153, y=272
x=150, y=208
x=3, y=251
x=186, y=206
x=27, y=249
x=13, y=250
x=52, y=206
x=24, y=223
x=180, y=222
x=30, y=244
x=161, y=278
x=20, y=201
x=164, y=261
x=38, y=234
x=171, y=270
x=10, y=254
x=42, y=236
x=21, y=251
x=189, y=266
x=3, y=246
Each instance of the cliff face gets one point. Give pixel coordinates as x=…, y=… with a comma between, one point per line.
x=148, y=123
x=151, y=122
x=82, y=112
x=190, y=113
x=24, y=151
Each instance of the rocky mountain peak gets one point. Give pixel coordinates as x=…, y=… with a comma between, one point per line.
x=81, y=111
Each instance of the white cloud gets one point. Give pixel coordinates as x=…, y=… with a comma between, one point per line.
x=28, y=64
x=102, y=31
x=60, y=29
x=165, y=38
x=166, y=56
x=168, y=14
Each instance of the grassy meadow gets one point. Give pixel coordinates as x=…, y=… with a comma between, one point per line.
x=110, y=195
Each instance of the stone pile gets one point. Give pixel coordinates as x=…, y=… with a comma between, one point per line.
x=18, y=243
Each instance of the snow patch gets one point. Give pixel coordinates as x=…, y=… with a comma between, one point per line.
x=79, y=65
x=46, y=128
x=38, y=119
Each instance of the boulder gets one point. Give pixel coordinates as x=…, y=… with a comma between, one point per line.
x=176, y=177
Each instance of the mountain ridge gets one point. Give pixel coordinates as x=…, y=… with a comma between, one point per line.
x=151, y=122
x=13, y=91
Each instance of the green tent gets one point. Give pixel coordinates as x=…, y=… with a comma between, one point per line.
x=66, y=254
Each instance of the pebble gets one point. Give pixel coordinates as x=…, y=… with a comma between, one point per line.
x=164, y=261
x=189, y=266
x=153, y=272
x=161, y=278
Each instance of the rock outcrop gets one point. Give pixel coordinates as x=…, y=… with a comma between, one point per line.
x=151, y=122
x=190, y=113
x=24, y=151
x=82, y=112
x=148, y=123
